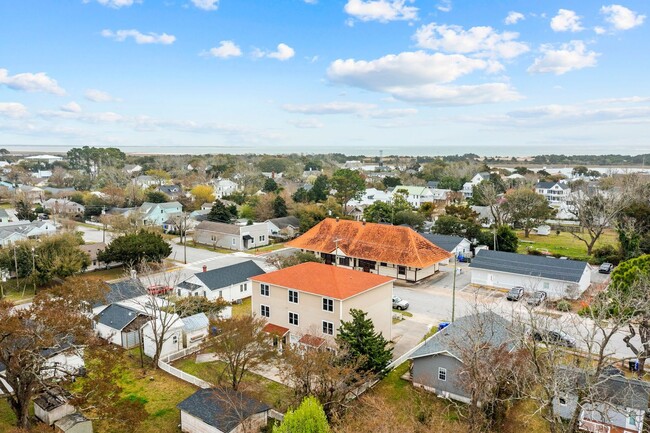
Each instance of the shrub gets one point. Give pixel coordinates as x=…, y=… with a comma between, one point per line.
x=563, y=306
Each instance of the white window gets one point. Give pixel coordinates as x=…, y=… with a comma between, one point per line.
x=631, y=419
x=293, y=319
x=242, y=287
x=264, y=290
x=233, y=241
x=265, y=311
x=328, y=304
x=442, y=374
x=175, y=339
x=262, y=237
x=328, y=328
x=546, y=285
x=293, y=296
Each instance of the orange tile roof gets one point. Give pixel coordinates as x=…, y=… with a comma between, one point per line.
x=379, y=242
x=312, y=340
x=324, y=280
x=275, y=329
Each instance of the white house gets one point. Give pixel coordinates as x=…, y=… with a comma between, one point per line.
x=21, y=230
x=555, y=193
x=224, y=187
x=63, y=206
x=229, y=282
x=172, y=325
x=370, y=196
x=417, y=195
x=231, y=236
x=468, y=187
x=558, y=278
x=456, y=245
x=145, y=181
x=120, y=325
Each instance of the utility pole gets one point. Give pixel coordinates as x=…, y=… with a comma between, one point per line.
x=336, y=251
x=453, y=293
x=34, y=268
x=103, y=224
x=184, y=235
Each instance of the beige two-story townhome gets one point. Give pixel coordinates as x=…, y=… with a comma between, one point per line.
x=306, y=303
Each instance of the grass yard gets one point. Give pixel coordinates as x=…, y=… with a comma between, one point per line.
x=268, y=248
x=243, y=309
x=19, y=290
x=109, y=274
x=272, y=393
x=7, y=418
x=160, y=391
x=565, y=244
x=208, y=248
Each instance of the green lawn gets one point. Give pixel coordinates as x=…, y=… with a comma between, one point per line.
x=18, y=290
x=243, y=309
x=7, y=417
x=109, y=274
x=272, y=393
x=160, y=391
x=565, y=244
x=268, y=248
x=208, y=248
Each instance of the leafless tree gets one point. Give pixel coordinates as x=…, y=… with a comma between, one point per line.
x=242, y=345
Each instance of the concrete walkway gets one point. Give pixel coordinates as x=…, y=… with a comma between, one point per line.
x=269, y=372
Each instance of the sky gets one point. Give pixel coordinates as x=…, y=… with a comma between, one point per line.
x=427, y=77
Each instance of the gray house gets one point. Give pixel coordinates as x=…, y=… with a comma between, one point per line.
x=453, y=244
x=616, y=404
x=437, y=364
x=120, y=325
x=232, y=236
x=558, y=278
x=230, y=282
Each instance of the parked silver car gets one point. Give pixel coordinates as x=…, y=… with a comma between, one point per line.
x=399, y=303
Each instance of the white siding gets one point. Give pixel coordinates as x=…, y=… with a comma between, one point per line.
x=191, y=424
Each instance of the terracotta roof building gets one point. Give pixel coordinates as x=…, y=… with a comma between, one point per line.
x=306, y=303
x=393, y=251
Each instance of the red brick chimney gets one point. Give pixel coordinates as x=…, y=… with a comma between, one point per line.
x=205, y=268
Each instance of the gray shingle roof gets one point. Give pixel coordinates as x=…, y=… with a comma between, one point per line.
x=524, y=264
x=493, y=330
x=284, y=222
x=121, y=291
x=446, y=242
x=228, y=275
x=117, y=316
x=549, y=185
x=211, y=226
x=224, y=409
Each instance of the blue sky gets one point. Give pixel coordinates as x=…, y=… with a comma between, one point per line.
x=352, y=76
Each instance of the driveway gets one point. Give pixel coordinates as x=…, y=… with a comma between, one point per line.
x=408, y=333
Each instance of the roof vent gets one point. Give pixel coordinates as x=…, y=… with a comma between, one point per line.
x=363, y=221
x=337, y=219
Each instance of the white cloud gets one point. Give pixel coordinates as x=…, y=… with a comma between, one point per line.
x=13, y=110
x=599, y=30
x=570, y=56
x=206, y=5
x=95, y=95
x=329, y=108
x=393, y=113
x=311, y=2
x=514, y=17
x=444, y=6
x=138, y=37
x=283, y=52
x=96, y=117
x=71, y=107
x=381, y=10
x=29, y=82
x=225, y=50
x=418, y=77
x=116, y=4
x=621, y=18
x=307, y=123
x=482, y=41
x=566, y=21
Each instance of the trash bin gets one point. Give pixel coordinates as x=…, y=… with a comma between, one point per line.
x=633, y=365
x=442, y=325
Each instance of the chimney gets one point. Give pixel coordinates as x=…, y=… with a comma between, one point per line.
x=337, y=219
x=205, y=268
x=363, y=221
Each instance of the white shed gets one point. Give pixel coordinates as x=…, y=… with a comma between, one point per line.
x=558, y=278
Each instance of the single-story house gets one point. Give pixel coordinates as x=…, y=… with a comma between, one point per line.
x=21, y=230
x=92, y=250
x=438, y=363
x=173, y=327
x=5, y=217
x=456, y=245
x=229, y=282
x=231, y=236
x=63, y=206
x=221, y=411
x=558, y=278
x=74, y=423
x=284, y=227
x=120, y=325
x=617, y=404
x=132, y=168
x=393, y=251
x=51, y=406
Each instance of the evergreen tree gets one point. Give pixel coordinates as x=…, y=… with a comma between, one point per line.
x=135, y=248
x=309, y=417
x=279, y=207
x=364, y=343
x=24, y=210
x=270, y=185
x=301, y=196
x=220, y=213
x=320, y=189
